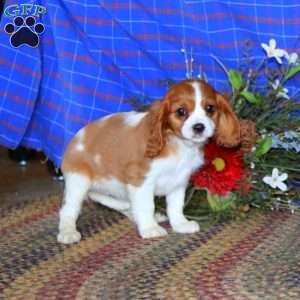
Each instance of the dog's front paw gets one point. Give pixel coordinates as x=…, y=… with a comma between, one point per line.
x=69, y=236
x=152, y=232
x=186, y=227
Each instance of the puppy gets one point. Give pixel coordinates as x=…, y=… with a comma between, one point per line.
x=123, y=160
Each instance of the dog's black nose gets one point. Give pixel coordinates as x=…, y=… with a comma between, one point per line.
x=198, y=128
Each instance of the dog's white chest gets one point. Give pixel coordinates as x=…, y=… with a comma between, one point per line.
x=175, y=171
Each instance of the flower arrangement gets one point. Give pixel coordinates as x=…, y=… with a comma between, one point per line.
x=265, y=171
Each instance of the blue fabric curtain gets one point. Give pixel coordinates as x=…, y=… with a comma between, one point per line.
x=93, y=56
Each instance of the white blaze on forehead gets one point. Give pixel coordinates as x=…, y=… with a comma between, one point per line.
x=133, y=118
x=198, y=110
x=198, y=94
x=198, y=116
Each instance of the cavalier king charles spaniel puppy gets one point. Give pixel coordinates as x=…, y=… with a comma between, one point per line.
x=123, y=160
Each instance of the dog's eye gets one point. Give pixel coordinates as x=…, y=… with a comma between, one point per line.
x=182, y=112
x=210, y=109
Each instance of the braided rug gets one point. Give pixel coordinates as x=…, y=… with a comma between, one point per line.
x=257, y=258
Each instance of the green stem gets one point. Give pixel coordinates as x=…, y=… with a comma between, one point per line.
x=282, y=167
x=261, y=64
x=212, y=201
x=220, y=64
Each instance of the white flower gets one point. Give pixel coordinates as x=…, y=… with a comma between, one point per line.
x=275, y=84
x=282, y=93
x=273, y=52
x=292, y=58
x=276, y=180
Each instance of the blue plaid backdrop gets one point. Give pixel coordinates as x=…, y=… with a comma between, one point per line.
x=95, y=55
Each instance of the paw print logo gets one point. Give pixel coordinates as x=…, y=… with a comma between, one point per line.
x=24, y=31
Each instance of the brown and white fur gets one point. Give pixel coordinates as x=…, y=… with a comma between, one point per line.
x=123, y=160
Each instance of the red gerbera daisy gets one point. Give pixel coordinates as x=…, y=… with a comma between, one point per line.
x=222, y=171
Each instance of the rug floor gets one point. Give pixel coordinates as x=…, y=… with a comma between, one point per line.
x=257, y=258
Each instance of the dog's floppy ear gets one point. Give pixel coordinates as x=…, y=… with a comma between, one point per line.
x=158, y=115
x=227, y=132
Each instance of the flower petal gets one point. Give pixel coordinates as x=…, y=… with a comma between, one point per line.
x=285, y=146
x=280, y=53
x=292, y=58
x=282, y=186
x=272, y=43
x=283, y=177
x=278, y=59
x=275, y=172
x=283, y=94
x=269, y=180
x=275, y=84
x=265, y=47
x=297, y=148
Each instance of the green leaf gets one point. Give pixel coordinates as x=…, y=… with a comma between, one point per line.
x=218, y=203
x=260, y=98
x=227, y=203
x=252, y=98
x=235, y=79
x=264, y=146
x=293, y=71
x=212, y=201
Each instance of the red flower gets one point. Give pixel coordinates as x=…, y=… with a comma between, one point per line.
x=222, y=171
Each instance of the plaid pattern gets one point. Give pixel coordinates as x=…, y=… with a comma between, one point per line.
x=94, y=56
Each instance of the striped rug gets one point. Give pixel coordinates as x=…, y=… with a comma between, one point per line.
x=257, y=258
